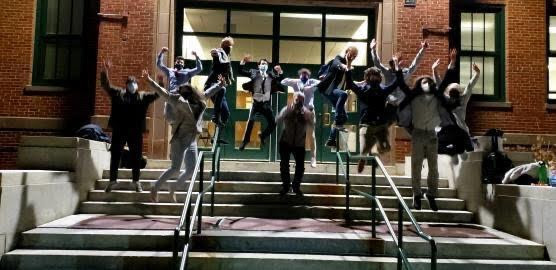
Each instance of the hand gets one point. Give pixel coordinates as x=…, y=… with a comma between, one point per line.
x=396, y=58
x=164, y=50
x=476, y=68
x=106, y=65
x=278, y=69
x=425, y=44
x=194, y=53
x=373, y=44
x=453, y=55
x=214, y=52
x=436, y=64
x=247, y=58
x=145, y=74
x=222, y=80
x=343, y=67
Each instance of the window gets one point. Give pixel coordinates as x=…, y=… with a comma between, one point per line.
x=552, y=58
x=58, y=42
x=482, y=42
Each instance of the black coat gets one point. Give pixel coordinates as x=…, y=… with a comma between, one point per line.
x=332, y=73
x=275, y=85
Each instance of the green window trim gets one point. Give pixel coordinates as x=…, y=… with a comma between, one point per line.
x=498, y=55
x=58, y=56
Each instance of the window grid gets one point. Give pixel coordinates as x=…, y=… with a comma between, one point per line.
x=551, y=52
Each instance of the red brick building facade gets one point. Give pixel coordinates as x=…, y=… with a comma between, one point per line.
x=126, y=32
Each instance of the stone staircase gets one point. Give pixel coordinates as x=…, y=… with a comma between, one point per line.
x=248, y=191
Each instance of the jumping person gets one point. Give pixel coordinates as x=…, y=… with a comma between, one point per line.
x=221, y=65
x=389, y=73
x=178, y=75
x=127, y=120
x=454, y=137
x=333, y=86
x=373, y=123
x=425, y=103
x=297, y=120
x=189, y=105
x=263, y=83
x=307, y=86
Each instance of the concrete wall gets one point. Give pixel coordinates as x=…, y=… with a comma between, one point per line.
x=61, y=172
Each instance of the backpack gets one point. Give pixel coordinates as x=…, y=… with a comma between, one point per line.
x=495, y=164
x=92, y=132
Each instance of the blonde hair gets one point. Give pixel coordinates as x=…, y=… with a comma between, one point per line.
x=227, y=42
x=352, y=49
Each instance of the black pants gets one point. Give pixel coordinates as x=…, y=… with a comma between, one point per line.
x=134, y=140
x=299, y=157
x=265, y=110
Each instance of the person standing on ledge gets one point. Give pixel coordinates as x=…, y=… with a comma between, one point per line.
x=127, y=120
x=189, y=105
x=307, y=86
x=297, y=120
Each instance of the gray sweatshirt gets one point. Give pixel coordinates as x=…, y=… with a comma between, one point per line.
x=295, y=125
x=460, y=112
x=308, y=89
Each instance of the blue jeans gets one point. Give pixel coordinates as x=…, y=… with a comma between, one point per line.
x=221, y=109
x=338, y=99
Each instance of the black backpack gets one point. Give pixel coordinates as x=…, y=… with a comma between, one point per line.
x=495, y=164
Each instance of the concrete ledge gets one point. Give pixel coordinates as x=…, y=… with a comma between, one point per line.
x=61, y=142
x=494, y=105
x=33, y=123
x=33, y=177
x=46, y=89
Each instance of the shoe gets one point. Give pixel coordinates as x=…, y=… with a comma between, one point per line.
x=313, y=162
x=298, y=192
x=172, y=193
x=242, y=146
x=432, y=202
x=111, y=185
x=284, y=191
x=263, y=140
x=417, y=202
x=330, y=143
x=137, y=186
x=361, y=165
x=154, y=195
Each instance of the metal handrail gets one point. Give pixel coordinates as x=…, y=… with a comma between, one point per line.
x=375, y=202
x=189, y=214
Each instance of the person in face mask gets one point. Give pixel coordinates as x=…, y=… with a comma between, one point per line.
x=373, y=123
x=306, y=85
x=262, y=85
x=426, y=104
x=127, y=120
x=297, y=119
x=190, y=105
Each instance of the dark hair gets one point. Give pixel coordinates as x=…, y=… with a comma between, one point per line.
x=417, y=86
x=196, y=97
x=372, y=71
x=304, y=70
x=180, y=58
x=263, y=59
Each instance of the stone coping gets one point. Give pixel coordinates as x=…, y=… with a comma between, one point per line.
x=9, y=178
x=62, y=142
x=533, y=192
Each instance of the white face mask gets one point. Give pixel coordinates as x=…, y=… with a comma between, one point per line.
x=132, y=87
x=426, y=87
x=263, y=67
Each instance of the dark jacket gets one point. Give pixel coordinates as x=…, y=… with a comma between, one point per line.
x=275, y=85
x=221, y=65
x=333, y=74
x=296, y=123
x=129, y=111
x=373, y=101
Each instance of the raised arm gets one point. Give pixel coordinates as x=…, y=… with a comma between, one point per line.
x=289, y=82
x=243, y=71
x=415, y=64
x=105, y=80
x=469, y=88
x=376, y=59
x=160, y=62
x=435, y=75
x=198, y=66
x=157, y=88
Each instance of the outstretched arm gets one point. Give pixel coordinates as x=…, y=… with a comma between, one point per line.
x=157, y=88
x=376, y=58
x=415, y=64
x=212, y=90
x=105, y=80
x=160, y=62
x=243, y=71
x=469, y=89
x=198, y=66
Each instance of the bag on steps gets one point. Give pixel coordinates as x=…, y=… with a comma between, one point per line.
x=495, y=164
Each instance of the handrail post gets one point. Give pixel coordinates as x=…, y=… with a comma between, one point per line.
x=213, y=176
x=400, y=235
x=337, y=159
x=176, y=247
x=348, y=191
x=200, y=195
x=373, y=193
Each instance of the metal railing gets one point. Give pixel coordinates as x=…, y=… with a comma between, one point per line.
x=375, y=202
x=189, y=213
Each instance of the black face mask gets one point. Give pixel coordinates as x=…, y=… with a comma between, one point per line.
x=227, y=50
x=178, y=66
x=454, y=102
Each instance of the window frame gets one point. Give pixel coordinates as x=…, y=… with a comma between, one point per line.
x=499, y=54
x=550, y=12
x=41, y=40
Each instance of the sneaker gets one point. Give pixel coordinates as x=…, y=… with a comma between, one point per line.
x=172, y=193
x=313, y=162
x=137, y=186
x=361, y=165
x=111, y=185
x=242, y=146
x=432, y=202
x=284, y=191
x=330, y=143
x=298, y=192
x=417, y=202
x=154, y=195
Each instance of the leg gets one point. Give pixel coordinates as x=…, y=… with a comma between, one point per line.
x=285, y=167
x=190, y=160
x=431, y=153
x=249, y=128
x=135, y=144
x=333, y=131
x=365, y=145
x=382, y=136
x=266, y=111
x=312, y=145
x=299, y=156
x=224, y=110
x=177, y=151
x=417, y=156
x=340, y=106
x=116, y=148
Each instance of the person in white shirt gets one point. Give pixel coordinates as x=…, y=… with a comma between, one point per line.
x=306, y=85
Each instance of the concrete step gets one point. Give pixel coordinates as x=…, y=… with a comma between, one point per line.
x=280, y=242
x=268, y=199
x=274, y=176
x=275, y=187
x=267, y=211
x=29, y=259
x=246, y=165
